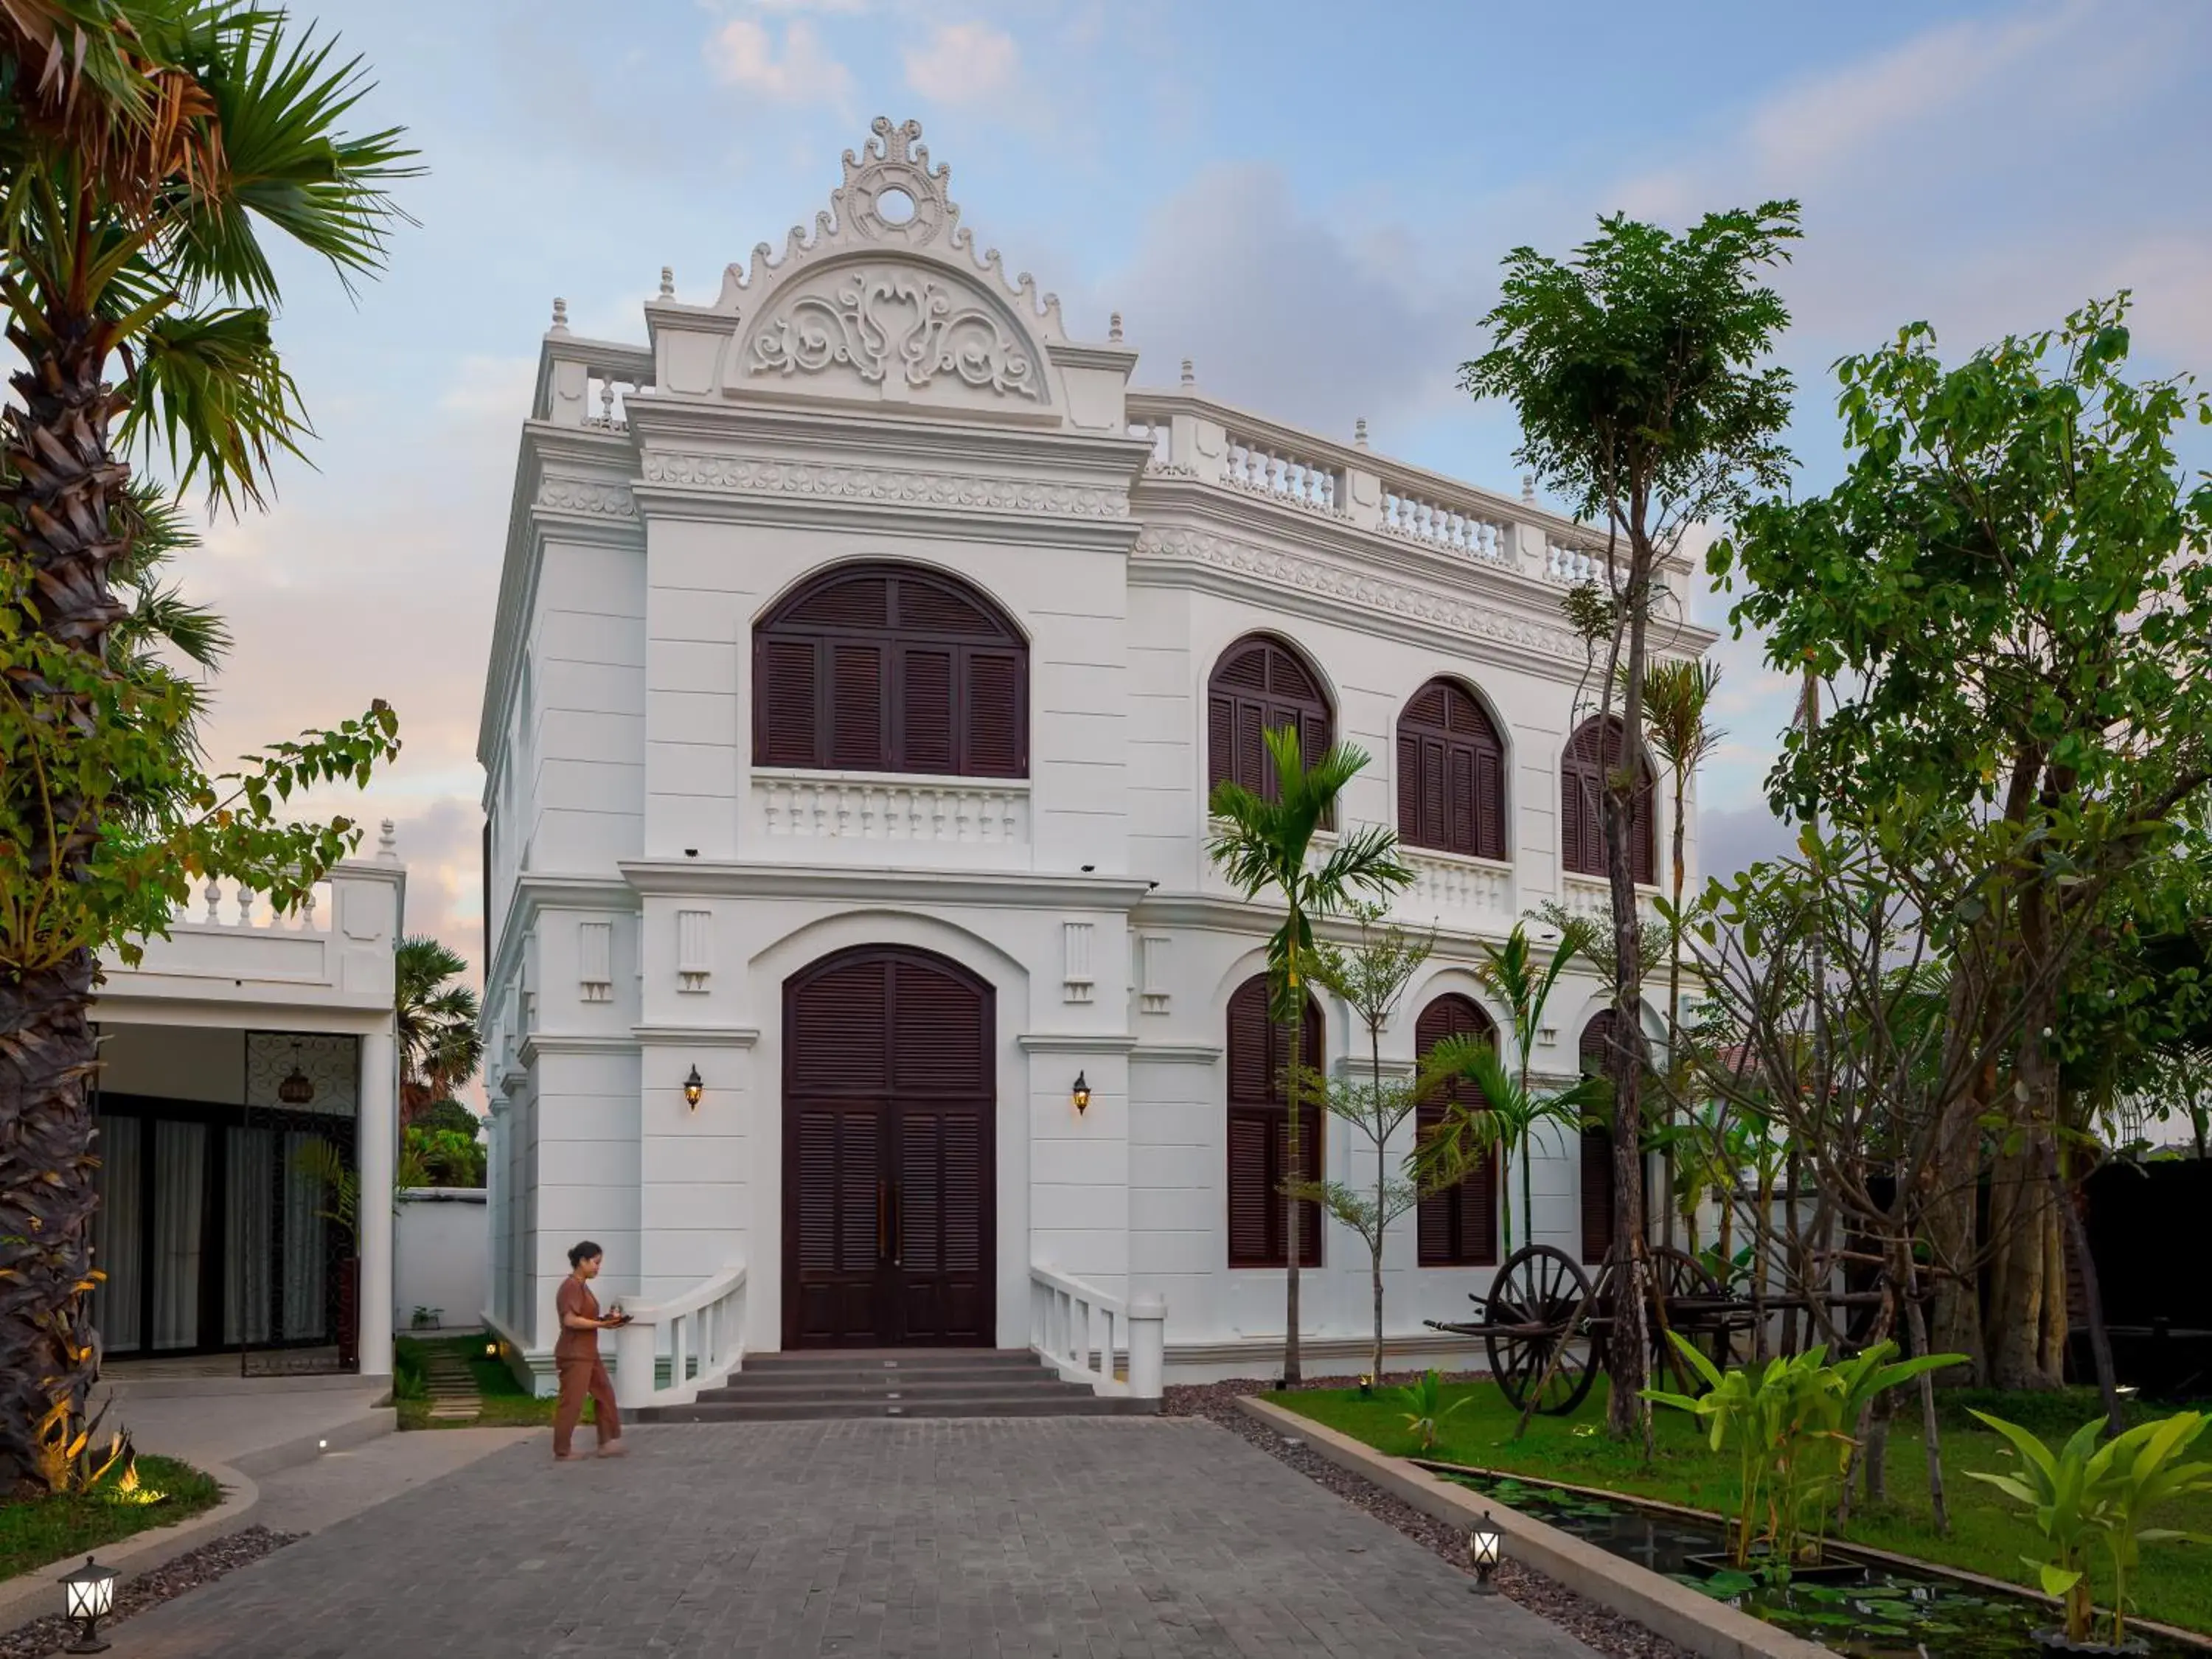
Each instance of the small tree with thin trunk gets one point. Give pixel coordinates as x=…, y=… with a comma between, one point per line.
x=1371, y=977
x=1637, y=368
x=1264, y=843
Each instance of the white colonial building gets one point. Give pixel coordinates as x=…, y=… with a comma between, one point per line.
x=866, y=648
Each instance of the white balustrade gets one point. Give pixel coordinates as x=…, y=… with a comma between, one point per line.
x=700, y=1337
x=1571, y=565
x=1271, y=470
x=252, y=910
x=1080, y=1330
x=1456, y=891
x=610, y=397
x=833, y=805
x=1592, y=896
x=1158, y=434
x=1423, y=518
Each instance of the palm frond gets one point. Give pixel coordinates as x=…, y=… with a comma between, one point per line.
x=211, y=384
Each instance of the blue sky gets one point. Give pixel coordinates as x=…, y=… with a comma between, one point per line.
x=1310, y=201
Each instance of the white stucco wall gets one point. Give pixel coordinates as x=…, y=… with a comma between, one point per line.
x=441, y=1257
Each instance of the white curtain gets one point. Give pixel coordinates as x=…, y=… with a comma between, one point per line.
x=116, y=1248
x=180, y=1194
x=248, y=1244
x=304, y=1226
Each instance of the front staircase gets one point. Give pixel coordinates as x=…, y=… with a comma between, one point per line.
x=893, y=1383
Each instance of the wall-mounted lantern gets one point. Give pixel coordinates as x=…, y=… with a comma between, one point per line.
x=1080, y=1094
x=693, y=1087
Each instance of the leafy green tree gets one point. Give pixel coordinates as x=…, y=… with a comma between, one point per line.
x=450, y=1115
x=440, y=1029
x=1637, y=369
x=2011, y=589
x=147, y=146
x=1264, y=843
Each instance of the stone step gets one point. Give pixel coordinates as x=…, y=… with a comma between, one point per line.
x=968, y=1362
x=742, y=1386
x=951, y=1403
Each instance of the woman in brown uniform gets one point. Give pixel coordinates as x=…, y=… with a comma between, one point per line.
x=576, y=1356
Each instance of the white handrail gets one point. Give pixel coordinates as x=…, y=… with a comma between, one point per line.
x=1080, y=1330
x=706, y=1343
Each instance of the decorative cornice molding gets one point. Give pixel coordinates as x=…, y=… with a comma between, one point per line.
x=935, y=888
x=898, y=486
x=1175, y=1054
x=704, y=1036
x=1279, y=569
x=586, y=496
x=1075, y=1042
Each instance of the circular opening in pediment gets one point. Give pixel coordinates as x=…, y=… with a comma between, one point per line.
x=895, y=206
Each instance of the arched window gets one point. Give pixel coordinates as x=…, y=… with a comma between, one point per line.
x=1458, y=1226
x=1260, y=684
x=1259, y=1132
x=889, y=668
x=1451, y=774
x=1582, y=789
x=1595, y=1053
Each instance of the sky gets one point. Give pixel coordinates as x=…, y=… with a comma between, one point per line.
x=1309, y=201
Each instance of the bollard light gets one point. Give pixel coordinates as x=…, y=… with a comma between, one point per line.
x=694, y=1088
x=1080, y=1094
x=1484, y=1547
x=90, y=1592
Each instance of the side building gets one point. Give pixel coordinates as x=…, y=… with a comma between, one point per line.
x=866, y=649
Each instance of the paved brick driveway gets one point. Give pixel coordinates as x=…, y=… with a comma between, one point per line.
x=1094, y=1537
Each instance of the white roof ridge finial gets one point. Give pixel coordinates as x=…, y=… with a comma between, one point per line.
x=387, y=842
x=668, y=281
x=1114, y=328
x=1528, y=490
x=560, y=315
x=1359, y=433
x=1189, y=374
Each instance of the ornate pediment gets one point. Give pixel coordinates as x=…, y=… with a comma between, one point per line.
x=892, y=290
x=905, y=329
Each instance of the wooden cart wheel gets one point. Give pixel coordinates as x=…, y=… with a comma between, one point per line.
x=1532, y=1312
x=1680, y=1277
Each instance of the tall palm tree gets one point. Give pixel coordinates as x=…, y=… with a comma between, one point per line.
x=146, y=147
x=1263, y=844
x=440, y=1024
x=1676, y=696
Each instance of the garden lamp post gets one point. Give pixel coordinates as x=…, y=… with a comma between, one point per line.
x=1486, y=1547
x=91, y=1597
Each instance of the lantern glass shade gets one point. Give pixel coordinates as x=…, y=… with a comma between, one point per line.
x=90, y=1590
x=1080, y=1094
x=1485, y=1544
x=297, y=1089
x=694, y=1088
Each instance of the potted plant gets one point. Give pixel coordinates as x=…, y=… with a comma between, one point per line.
x=2088, y=1499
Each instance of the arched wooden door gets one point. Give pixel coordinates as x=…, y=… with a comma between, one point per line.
x=888, y=1093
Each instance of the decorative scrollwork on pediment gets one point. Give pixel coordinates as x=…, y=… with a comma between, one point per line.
x=879, y=320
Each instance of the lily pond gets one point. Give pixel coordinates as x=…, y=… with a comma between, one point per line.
x=1891, y=1614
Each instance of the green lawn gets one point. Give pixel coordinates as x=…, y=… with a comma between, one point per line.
x=1988, y=1534
x=505, y=1406
x=53, y=1528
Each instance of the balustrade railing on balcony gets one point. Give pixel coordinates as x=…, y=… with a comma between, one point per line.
x=1442, y=525
x=241, y=906
x=833, y=805
x=1592, y=896
x=1274, y=470
x=1456, y=891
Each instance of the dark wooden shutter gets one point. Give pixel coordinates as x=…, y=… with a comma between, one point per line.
x=1457, y=1226
x=923, y=710
x=1259, y=1132
x=1260, y=684
x=995, y=716
x=840, y=1032
x=856, y=708
x=788, y=686
x=932, y=1011
x=1582, y=770
x=890, y=668
x=1455, y=801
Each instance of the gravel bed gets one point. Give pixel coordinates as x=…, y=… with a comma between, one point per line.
x=42, y=1637
x=1605, y=1630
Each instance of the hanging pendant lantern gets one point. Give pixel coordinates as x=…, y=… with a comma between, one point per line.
x=298, y=1088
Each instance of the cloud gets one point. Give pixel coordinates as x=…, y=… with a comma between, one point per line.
x=1731, y=839
x=964, y=63
x=742, y=53
x=1285, y=314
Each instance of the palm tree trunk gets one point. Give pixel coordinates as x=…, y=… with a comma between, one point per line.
x=64, y=483
x=1294, y=1171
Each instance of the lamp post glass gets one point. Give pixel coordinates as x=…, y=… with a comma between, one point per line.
x=693, y=1087
x=1080, y=1094
x=90, y=1597
x=1484, y=1547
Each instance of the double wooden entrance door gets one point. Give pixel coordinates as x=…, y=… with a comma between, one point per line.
x=888, y=1091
